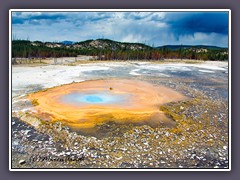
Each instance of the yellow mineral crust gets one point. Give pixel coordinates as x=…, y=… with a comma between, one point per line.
x=141, y=106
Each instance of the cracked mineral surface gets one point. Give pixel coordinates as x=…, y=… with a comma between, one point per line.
x=199, y=138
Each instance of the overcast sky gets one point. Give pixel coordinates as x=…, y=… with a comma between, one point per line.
x=152, y=28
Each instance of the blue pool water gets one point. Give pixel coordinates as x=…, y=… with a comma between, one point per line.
x=94, y=98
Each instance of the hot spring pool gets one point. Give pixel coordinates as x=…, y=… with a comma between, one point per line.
x=91, y=103
x=105, y=97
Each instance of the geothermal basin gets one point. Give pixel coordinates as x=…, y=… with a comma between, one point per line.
x=95, y=102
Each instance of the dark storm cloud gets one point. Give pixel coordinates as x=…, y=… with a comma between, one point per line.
x=75, y=17
x=99, y=16
x=17, y=20
x=36, y=18
x=158, y=28
x=185, y=23
x=137, y=15
x=81, y=18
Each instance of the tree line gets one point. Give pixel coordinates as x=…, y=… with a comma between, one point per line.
x=25, y=49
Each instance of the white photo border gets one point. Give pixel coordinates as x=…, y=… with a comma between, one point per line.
x=118, y=10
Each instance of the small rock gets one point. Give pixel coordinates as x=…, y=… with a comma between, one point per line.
x=118, y=158
x=145, y=143
x=22, y=162
x=167, y=134
x=225, y=147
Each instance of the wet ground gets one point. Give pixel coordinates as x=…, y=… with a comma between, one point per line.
x=204, y=76
x=200, y=139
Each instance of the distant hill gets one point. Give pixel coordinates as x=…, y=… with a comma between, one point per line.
x=108, y=44
x=177, y=47
x=98, y=44
x=106, y=49
x=68, y=42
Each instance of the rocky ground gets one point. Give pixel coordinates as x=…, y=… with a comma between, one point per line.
x=199, y=140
